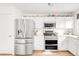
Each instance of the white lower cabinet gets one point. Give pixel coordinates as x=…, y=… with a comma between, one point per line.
x=73, y=45
x=77, y=51
x=39, y=43
x=62, y=43
x=77, y=47
x=69, y=43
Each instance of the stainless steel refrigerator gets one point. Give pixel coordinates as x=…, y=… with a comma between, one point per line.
x=24, y=33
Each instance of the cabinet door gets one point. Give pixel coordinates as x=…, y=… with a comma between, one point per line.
x=49, y=20
x=77, y=48
x=39, y=22
x=39, y=43
x=62, y=43
x=77, y=27
x=60, y=22
x=73, y=46
x=64, y=22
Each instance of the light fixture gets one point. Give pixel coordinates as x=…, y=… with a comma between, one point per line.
x=50, y=4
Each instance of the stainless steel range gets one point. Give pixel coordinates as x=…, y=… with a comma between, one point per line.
x=51, y=42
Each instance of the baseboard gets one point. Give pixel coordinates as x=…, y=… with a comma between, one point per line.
x=6, y=52
x=38, y=50
x=52, y=50
x=6, y=55
x=71, y=53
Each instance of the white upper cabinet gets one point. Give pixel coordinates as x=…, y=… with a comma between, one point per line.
x=49, y=20
x=60, y=22
x=76, y=27
x=69, y=22
x=38, y=22
x=64, y=22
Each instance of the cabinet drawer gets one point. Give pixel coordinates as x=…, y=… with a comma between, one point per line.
x=29, y=42
x=20, y=47
x=20, y=41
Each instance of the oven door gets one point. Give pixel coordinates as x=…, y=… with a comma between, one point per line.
x=51, y=42
x=51, y=47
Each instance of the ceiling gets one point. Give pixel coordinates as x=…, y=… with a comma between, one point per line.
x=45, y=8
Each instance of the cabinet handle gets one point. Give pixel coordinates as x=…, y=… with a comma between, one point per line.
x=10, y=35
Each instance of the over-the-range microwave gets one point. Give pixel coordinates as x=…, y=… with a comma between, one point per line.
x=46, y=25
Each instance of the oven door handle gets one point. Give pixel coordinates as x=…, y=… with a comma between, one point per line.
x=51, y=44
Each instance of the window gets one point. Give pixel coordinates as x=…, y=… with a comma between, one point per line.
x=69, y=24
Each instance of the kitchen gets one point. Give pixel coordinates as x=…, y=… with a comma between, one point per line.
x=39, y=29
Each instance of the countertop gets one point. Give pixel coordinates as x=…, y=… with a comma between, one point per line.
x=74, y=36
x=23, y=38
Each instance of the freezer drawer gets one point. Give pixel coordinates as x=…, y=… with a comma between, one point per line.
x=20, y=49
x=29, y=41
x=29, y=48
x=23, y=49
x=23, y=41
x=18, y=41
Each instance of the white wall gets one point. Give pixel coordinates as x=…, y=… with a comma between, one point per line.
x=76, y=23
x=7, y=16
